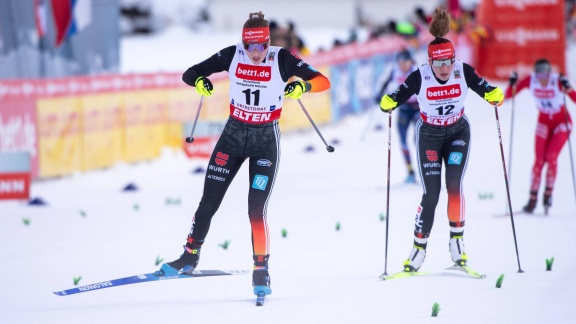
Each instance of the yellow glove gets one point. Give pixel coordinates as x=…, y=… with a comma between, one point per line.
x=203, y=86
x=388, y=104
x=496, y=96
x=295, y=89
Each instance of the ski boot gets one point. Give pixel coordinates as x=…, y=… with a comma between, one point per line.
x=260, y=275
x=416, y=257
x=411, y=178
x=186, y=263
x=456, y=247
x=547, y=200
x=529, y=208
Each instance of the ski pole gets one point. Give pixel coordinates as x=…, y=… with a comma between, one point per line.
x=388, y=191
x=328, y=147
x=507, y=187
x=190, y=139
x=569, y=143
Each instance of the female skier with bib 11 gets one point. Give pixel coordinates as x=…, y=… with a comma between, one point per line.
x=553, y=128
x=443, y=134
x=258, y=75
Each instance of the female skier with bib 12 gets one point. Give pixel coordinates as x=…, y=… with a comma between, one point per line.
x=442, y=134
x=258, y=75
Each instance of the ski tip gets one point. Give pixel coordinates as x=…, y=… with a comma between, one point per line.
x=59, y=293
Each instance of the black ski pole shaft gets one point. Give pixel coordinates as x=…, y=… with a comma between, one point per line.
x=328, y=147
x=388, y=191
x=507, y=187
x=190, y=139
x=569, y=145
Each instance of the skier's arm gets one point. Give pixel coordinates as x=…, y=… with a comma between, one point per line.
x=565, y=87
x=524, y=83
x=411, y=86
x=291, y=65
x=216, y=63
x=384, y=87
x=478, y=84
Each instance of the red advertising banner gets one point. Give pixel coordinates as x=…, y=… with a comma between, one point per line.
x=521, y=31
x=14, y=185
x=201, y=147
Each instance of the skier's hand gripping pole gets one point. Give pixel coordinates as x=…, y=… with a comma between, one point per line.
x=328, y=147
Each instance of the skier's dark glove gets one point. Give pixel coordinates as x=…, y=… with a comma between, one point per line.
x=564, y=82
x=513, y=78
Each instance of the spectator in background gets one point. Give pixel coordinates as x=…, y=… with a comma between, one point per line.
x=278, y=35
x=295, y=43
x=409, y=111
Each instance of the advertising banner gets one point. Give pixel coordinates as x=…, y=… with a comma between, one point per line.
x=102, y=130
x=521, y=31
x=59, y=136
x=18, y=130
x=14, y=175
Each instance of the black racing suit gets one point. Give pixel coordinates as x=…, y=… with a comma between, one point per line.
x=239, y=141
x=450, y=144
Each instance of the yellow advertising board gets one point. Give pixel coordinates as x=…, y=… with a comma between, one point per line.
x=59, y=136
x=102, y=126
x=145, y=124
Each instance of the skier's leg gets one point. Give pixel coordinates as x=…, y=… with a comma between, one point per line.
x=557, y=141
x=455, y=156
x=541, y=142
x=430, y=167
x=222, y=169
x=264, y=162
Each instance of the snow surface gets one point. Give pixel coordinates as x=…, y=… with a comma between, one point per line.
x=319, y=275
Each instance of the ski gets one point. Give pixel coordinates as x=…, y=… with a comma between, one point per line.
x=469, y=271
x=146, y=277
x=404, y=274
x=260, y=299
x=521, y=212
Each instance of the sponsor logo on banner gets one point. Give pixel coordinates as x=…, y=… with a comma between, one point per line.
x=445, y=92
x=221, y=158
x=264, y=162
x=432, y=155
x=455, y=158
x=201, y=147
x=14, y=185
x=260, y=182
x=253, y=72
